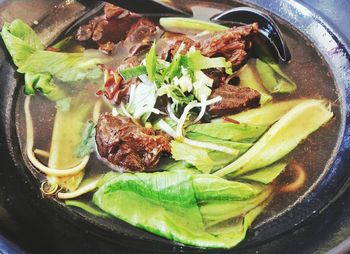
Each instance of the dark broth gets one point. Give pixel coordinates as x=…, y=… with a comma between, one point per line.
x=307, y=69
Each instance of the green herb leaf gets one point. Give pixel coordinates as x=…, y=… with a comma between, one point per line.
x=87, y=142
x=151, y=63
x=133, y=72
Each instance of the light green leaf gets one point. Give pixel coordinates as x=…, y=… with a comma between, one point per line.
x=169, y=204
x=228, y=131
x=282, y=137
x=265, y=175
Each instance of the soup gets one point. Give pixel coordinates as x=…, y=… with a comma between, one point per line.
x=211, y=163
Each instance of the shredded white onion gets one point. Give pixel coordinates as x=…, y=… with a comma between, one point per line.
x=203, y=107
x=187, y=109
x=145, y=80
x=125, y=112
x=145, y=110
x=171, y=113
x=166, y=128
x=132, y=93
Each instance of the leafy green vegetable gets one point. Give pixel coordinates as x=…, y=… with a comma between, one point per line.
x=178, y=24
x=151, y=63
x=44, y=83
x=274, y=80
x=67, y=67
x=198, y=157
x=228, y=131
x=200, y=62
x=242, y=147
x=265, y=175
x=175, y=93
x=282, y=137
x=133, y=72
x=266, y=115
x=248, y=79
x=88, y=208
x=86, y=145
x=27, y=53
x=220, y=210
x=169, y=204
x=20, y=40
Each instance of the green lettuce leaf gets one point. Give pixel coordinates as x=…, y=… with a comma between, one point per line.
x=44, y=83
x=20, y=40
x=67, y=67
x=169, y=204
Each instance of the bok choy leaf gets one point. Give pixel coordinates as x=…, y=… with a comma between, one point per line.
x=228, y=131
x=175, y=205
x=296, y=125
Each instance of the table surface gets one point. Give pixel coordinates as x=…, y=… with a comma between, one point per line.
x=331, y=228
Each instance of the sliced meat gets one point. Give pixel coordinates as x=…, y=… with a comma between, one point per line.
x=109, y=28
x=234, y=100
x=142, y=29
x=141, y=36
x=232, y=44
x=127, y=145
x=170, y=43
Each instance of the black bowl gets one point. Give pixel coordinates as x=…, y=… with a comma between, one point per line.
x=56, y=223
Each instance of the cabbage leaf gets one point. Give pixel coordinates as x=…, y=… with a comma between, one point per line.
x=170, y=204
x=293, y=127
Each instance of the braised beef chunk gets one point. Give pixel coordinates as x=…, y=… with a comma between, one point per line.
x=115, y=25
x=143, y=28
x=234, y=100
x=232, y=44
x=171, y=42
x=127, y=145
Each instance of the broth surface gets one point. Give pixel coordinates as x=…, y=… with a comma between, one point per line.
x=307, y=69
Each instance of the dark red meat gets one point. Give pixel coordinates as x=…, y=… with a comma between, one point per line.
x=171, y=42
x=234, y=100
x=127, y=145
x=232, y=44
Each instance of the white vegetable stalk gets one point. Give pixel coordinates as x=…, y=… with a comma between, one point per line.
x=171, y=113
x=187, y=109
x=203, y=107
x=211, y=146
x=146, y=80
x=132, y=93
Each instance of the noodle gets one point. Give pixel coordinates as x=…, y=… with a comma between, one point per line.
x=30, y=143
x=81, y=191
x=300, y=177
x=42, y=153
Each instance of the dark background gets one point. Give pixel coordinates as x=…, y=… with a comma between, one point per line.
x=327, y=232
